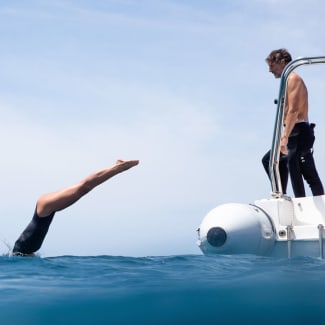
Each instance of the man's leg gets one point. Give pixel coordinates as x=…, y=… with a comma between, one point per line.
x=294, y=168
x=306, y=159
x=310, y=174
x=266, y=161
x=283, y=169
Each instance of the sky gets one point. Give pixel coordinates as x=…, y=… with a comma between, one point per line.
x=180, y=85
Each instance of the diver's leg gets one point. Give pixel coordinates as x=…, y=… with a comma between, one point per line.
x=59, y=200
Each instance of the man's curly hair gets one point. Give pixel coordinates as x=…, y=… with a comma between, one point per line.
x=277, y=55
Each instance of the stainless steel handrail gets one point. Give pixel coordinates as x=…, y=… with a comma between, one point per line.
x=289, y=238
x=321, y=239
x=278, y=127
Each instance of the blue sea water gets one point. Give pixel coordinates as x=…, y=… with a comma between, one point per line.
x=186, y=289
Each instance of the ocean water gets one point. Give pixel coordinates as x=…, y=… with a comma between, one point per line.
x=186, y=289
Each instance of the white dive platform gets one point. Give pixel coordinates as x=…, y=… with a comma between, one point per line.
x=280, y=226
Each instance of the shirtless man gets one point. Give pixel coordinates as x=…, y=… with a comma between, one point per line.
x=298, y=135
x=32, y=237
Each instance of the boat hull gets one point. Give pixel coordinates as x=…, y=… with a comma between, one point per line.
x=280, y=227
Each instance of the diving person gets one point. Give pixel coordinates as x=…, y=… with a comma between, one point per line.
x=47, y=205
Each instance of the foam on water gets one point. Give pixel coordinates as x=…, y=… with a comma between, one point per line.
x=187, y=289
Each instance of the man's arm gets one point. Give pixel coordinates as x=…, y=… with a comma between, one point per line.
x=294, y=93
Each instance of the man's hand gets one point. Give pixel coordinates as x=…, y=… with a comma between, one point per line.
x=283, y=145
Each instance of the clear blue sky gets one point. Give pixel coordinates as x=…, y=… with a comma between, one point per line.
x=180, y=85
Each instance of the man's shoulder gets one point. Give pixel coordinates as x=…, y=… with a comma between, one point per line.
x=295, y=77
x=295, y=80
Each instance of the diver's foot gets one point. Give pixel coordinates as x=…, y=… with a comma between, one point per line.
x=122, y=165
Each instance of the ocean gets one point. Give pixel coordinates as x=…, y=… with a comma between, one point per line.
x=183, y=289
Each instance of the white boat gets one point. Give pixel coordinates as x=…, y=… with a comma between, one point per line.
x=280, y=226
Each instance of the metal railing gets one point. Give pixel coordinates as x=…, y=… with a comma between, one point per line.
x=275, y=148
x=321, y=240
